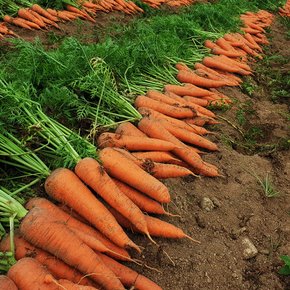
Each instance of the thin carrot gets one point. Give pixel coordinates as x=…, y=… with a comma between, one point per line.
x=54, y=237
x=43, y=12
x=133, y=175
x=142, y=201
x=26, y=14
x=156, y=156
x=129, y=277
x=44, y=19
x=129, y=129
x=169, y=110
x=187, y=90
x=6, y=283
x=132, y=142
x=198, y=101
x=55, y=266
x=17, y=21
x=88, y=206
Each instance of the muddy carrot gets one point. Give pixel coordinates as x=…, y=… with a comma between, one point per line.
x=129, y=129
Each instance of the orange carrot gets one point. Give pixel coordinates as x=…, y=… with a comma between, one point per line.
x=129, y=129
x=155, y=128
x=54, y=237
x=129, y=277
x=169, y=110
x=88, y=206
x=43, y=12
x=45, y=20
x=17, y=21
x=189, y=137
x=133, y=175
x=7, y=284
x=74, y=224
x=155, y=95
x=182, y=66
x=156, y=156
x=90, y=172
x=187, y=90
x=132, y=142
x=28, y=273
x=157, y=227
x=68, y=285
x=142, y=201
x=25, y=14
x=198, y=101
x=56, y=267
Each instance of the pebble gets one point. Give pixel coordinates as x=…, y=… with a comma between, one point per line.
x=200, y=221
x=216, y=202
x=207, y=204
x=236, y=233
x=265, y=252
x=250, y=251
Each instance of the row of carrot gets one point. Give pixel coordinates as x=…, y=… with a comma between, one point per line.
x=171, y=3
x=133, y=159
x=285, y=10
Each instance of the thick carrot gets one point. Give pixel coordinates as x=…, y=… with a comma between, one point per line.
x=237, y=63
x=88, y=206
x=26, y=14
x=169, y=110
x=43, y=12
x=55, y=266
x=57, y=239
x=17, y=21
x=189, y=137
x=6, y=283
x=133, y=175
x=142, y=201
x=156, y=156
x=129, y=129
x=74, y=223
x=129, y=277
x=133, y=143
x=155, y=128
x=29, y=274
x=187, y=90
x=155, y=95
x=182, y=66
x=94, y=175
x=198, y=101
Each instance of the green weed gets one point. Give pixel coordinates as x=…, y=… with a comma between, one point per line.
x=267, y=186
x=285, y=270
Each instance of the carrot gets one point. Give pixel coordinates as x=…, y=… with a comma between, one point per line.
x=7, y=284
x=157, y=227
x=189, y=137
x=80, y=12
x=218, y=50
x=169, y=110
x=198, y=101
x=142, y=201
x=43, y=12
x=90, y=172
x=129, y=277
x=56, y=267
x=155, y=95
x=237, y=63
x=88, y=206
x=180, y=123
x=68, y=285
x=182, y=66
x=156, y=156
x=133, y=175
x=214, y=63
x=155, y=128
x=132, y=142
x=45, y=20
x=224, y=44
x=29, y=274
x=57, y=239
x=74, y=223
x=4, y=30
x=17, y=21
x=187, y=90
x=25, y=14
x=129, y=129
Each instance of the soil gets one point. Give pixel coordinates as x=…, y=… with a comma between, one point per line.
x=252, y=138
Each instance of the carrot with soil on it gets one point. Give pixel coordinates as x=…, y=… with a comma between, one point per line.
x=133, y=143
x=55, y=266
x=88, y=206
x=129, y=277
x=169, y=110
x=54, y=237
x=129, y=129
x=94, y=175
x=133, y=175
x=7, y=283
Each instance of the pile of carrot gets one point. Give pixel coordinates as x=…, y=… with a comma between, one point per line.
x=79, y=242
x=285, y=10
x=5, y=31
x=172, y=3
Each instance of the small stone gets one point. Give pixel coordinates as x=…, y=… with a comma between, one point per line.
x=207, y=204
x=216, y=202
x=236, y=233
x=265, y=252
x=250, y=251
x=200, y=221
